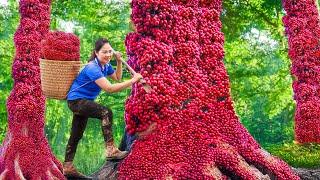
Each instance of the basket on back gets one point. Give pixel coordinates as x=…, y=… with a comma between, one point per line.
x=60, y=63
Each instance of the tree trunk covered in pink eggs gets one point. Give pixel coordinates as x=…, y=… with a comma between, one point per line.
x=303, y=31
x=187, y=127
x=25, y=153
x=192, y=129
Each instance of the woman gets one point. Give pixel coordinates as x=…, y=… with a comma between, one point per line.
x=82, y=94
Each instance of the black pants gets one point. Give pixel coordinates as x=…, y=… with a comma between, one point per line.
x=82, y=110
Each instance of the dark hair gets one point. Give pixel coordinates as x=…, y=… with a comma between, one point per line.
x=98, y=45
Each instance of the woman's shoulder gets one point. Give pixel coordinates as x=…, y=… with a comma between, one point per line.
x=90, y=67
x=91, y=64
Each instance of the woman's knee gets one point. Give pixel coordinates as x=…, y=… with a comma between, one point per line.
x=107, y=114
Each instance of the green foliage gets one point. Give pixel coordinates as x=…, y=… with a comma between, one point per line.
x=261, y=86
x=8, y=21
x=94, y=19
x=240, y=17
x=307, y=156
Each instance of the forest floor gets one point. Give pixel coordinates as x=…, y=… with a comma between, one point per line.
x=308, y=174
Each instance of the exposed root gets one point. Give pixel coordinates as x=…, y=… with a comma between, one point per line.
x=268, y=157
x=229, y=162
x=3, y=175
x=54, y=166
x=17, y=169
x=258, y=174
x=55, y=172
x=50, y=176
x=148, y=131
x=25, y=131
x=274, y=167
x=214, y=171
x=57, y=164
x=6, y=143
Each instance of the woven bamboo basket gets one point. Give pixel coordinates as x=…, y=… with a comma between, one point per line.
x=57, y=77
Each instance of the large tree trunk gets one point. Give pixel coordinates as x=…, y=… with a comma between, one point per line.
x=110, y=169
x=303, y=31
x=25, y=153
x=187, y=127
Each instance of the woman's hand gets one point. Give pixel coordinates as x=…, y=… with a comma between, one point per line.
x=117, y=56
x=136, y=77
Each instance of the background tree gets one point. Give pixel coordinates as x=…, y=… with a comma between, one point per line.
x=192, y=129
x=25, y=152
x=257, y=63
x=303, y=31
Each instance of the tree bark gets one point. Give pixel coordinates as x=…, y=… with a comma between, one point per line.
x=302, y=26
x=110, y=169
x=192, y=129
x=25, y=153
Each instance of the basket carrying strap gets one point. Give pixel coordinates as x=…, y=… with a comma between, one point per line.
x=78, y=88
x=96, y=61
x=81, y=85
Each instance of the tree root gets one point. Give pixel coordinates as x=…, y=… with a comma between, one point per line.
x=148, y=131
x=227, y=161
x=3, y=174
x=17, y=169
x=53, y=172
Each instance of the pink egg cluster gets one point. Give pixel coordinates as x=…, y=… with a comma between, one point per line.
x=25, y=153
x=303, y=31
x=187, y=127
x=60, y=46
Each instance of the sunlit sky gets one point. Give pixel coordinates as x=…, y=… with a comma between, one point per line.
x=261, y=37
x=67, y=26
x=3, y=2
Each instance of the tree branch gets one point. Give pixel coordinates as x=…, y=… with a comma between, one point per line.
x=262, y=14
